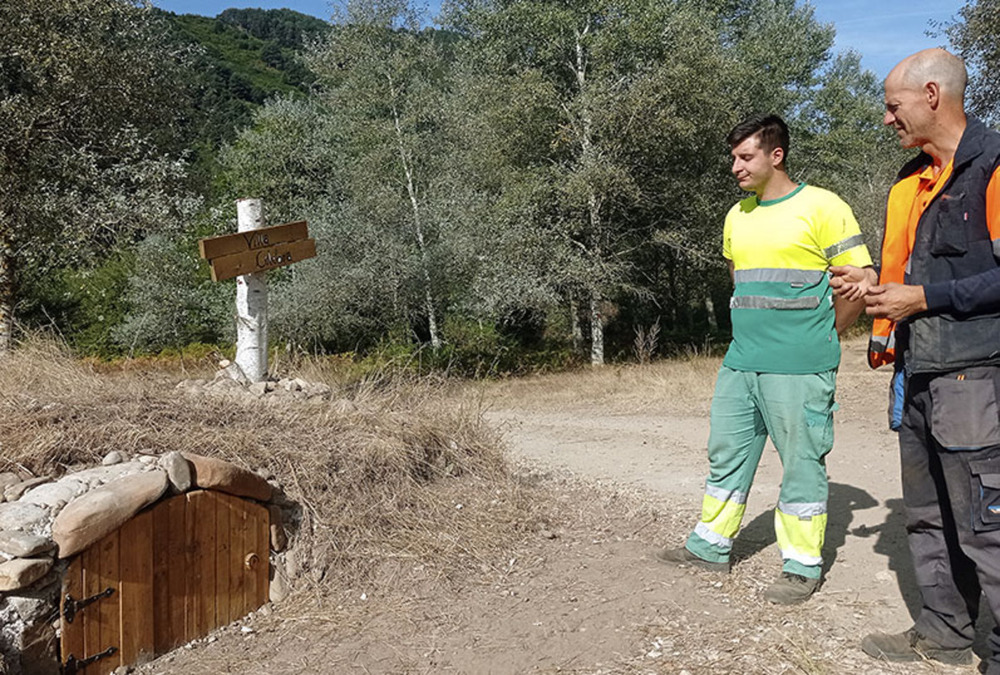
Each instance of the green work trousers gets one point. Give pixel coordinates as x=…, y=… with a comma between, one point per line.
x=796, y=411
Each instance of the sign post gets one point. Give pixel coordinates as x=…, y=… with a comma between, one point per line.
x=247, y=255
x=251, y=302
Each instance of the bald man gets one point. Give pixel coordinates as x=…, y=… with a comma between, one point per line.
x=937, y=319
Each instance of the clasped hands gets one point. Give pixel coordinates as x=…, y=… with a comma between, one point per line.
x=890, y=301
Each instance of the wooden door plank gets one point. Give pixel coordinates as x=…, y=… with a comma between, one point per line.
x=71, y=640
x=161, y=578
x=191, y=551
x=223, y=559
x=108, y=610
x=238, y=581
x=137, y=600
x=91, y=624
x=261, y=519
x=177, y=571
x=201, y=563
x=206, y=534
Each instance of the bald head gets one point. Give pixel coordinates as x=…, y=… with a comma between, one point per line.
x=932, y=65
x=924, y=102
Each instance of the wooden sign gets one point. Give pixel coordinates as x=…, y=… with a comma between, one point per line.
x=262, y=259
x=257, y=250
x=228, y=244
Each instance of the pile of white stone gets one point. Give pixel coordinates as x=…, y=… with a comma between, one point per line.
x=45, y=521
x=229, y=380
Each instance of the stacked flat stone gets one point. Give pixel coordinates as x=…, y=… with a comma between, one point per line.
x=44, y=522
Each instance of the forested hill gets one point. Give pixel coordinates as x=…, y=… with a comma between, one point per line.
x=246, y=56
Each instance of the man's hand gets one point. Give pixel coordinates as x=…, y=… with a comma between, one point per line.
x=852, y=283
x=895, y=301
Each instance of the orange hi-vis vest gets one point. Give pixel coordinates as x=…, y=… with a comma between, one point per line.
x=943, y=233
x=908, y=199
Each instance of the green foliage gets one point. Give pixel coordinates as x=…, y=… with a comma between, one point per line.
x=171, y=302
x=283, y=27
x=85, y=168
x=489, y=189
x=83, y=305
x=471, y=348
x=976, y=38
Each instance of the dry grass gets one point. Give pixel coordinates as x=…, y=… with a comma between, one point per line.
x=378, y=472
x=680, y=385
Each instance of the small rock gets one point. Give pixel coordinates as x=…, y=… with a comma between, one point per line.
x=211, y=473
x=289, y=385
x=279, y=540
x=20, y=545
x=269, y=386
x=235, y=373
x=14, y=492
x=320, y=388
x=246, y=630
x=112, y=458
x=258, y=388
x=147, y=459
x=7, y=479
x=178, y=471
x=302, y=384
x=226, y=384
x=547, y=534
x=22, y=572
x=31, y=609
x=22, y=517
x=50, y=494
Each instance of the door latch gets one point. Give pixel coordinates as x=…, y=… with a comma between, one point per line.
x=71, y=605
x=74, y=665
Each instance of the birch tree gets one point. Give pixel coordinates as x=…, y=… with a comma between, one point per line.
x=385, y=81
x=603, y=65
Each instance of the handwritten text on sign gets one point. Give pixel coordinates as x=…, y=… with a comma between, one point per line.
x=257, y=250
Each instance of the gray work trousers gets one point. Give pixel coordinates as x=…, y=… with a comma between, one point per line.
x=950, y=456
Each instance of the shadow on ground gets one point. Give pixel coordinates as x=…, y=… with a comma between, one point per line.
x=842, y=502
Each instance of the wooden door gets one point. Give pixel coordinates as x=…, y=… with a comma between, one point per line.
x=177, y=571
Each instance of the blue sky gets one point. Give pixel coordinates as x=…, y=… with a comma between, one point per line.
x=882, y=31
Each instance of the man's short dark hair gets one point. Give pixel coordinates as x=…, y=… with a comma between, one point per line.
x=771, y=130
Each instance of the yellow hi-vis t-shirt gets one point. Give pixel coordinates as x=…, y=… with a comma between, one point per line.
x=782, y=304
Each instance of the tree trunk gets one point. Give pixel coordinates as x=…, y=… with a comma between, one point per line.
x=6, y=290
x=594, y=201
x=576, y=331
x=713, y=323
x=596, y=332
x=251, y=303
x=418, y=232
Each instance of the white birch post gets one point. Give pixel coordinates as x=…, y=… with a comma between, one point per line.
x=251, y=303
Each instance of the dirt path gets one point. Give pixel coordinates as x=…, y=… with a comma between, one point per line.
x=663, y=455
